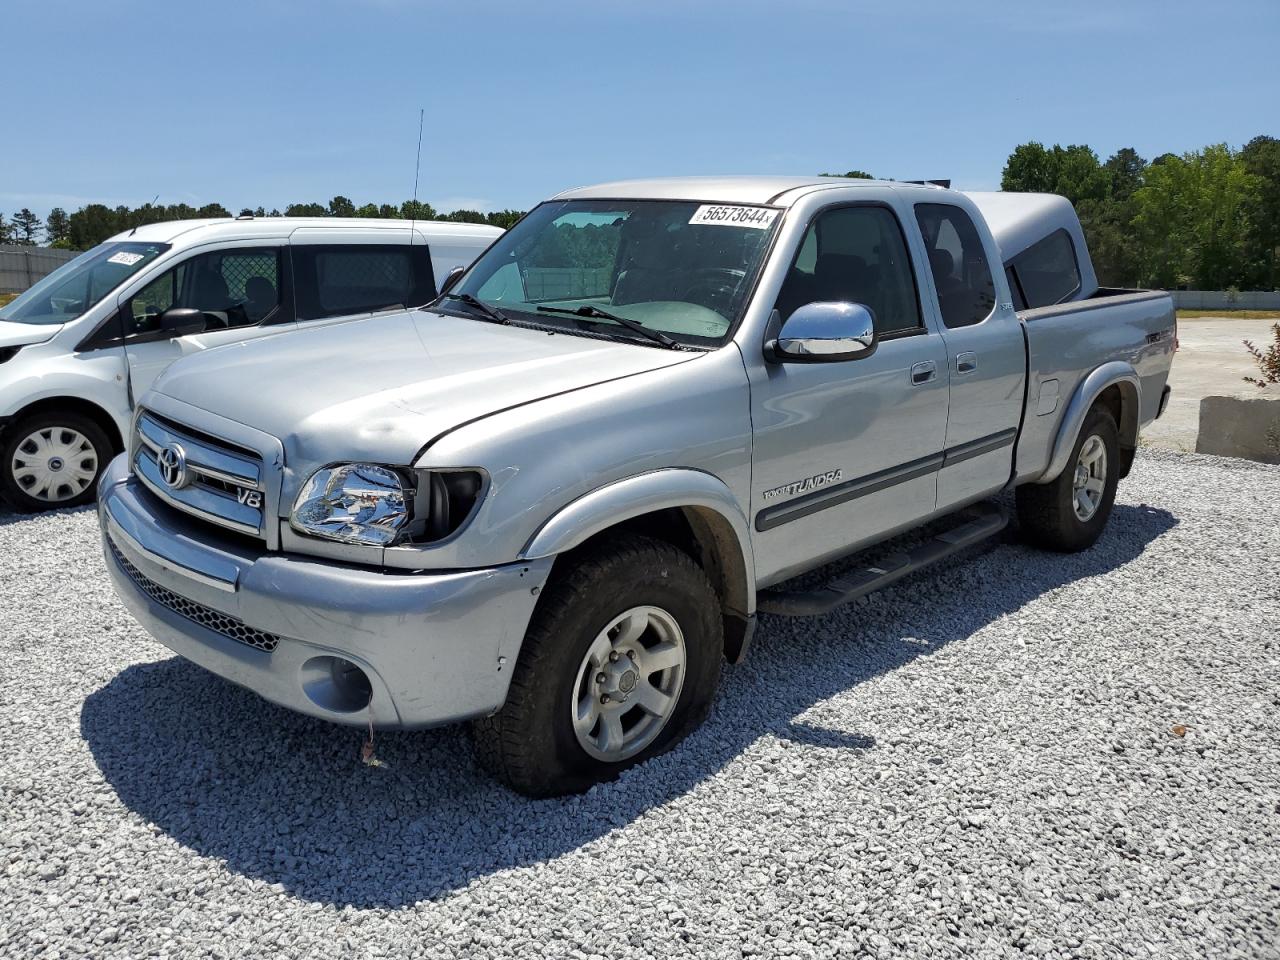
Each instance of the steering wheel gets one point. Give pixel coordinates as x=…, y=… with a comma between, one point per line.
x=714, y=288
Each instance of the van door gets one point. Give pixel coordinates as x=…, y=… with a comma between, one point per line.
x=986, y=357
x=347, y=275
x=242, y=290
x=847, y=452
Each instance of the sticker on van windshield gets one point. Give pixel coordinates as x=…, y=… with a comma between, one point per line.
x=124, y=259
x=713, y=215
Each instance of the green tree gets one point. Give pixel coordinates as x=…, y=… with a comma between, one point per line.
x=464, y=216
x=1073, y=172
x=26, y=226
x=1125, y=168
x=367, y=210
x=211, y=211
x=1193, y=219
x=417, y=210
x=851, y=175
x=56, y=226
x=5, y=230
x=306, y=210
x=1261, y=157
x=92, y=224
x=1029, y=169
x=341, y=207
x=505, y=219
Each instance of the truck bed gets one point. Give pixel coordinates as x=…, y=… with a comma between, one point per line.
x=1064, y=344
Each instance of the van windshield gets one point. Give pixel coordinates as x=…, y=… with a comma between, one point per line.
x=81, y=283
x=684, y=269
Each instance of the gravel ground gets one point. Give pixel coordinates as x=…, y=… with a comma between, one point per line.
x=982, y=761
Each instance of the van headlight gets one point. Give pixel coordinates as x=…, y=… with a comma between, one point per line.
x=359, y=503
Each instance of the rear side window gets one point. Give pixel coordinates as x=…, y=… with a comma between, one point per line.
x=857, y=255
x=1045, y=273
x=332, y=281
x=961, y=274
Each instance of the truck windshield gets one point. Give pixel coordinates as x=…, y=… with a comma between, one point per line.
x=684, y=269
x=81, y=283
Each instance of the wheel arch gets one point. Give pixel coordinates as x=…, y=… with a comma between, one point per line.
x=689, y=508
x=77, y=405
x=1114, y=385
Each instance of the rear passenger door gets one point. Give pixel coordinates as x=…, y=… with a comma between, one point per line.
x=986, y=356
x=356, y=277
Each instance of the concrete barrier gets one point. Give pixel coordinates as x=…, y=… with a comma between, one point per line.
x=1246, y=426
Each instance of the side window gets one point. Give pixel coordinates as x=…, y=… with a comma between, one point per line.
x=961, y=274
x=233, y=288
x=1046, y=272
x=859, y=255
x=333, y=281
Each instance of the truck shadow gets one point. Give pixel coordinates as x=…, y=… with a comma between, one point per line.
x=284, y=799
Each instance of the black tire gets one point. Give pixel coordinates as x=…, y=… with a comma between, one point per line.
x=1047, y=516
x=530, y=744
x=19, y=492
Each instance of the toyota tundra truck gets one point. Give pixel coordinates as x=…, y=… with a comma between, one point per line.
x=554, y=500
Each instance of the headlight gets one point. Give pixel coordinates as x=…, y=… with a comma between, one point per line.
x=353, y=503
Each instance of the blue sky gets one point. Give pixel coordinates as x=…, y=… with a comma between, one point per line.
x=273, y=101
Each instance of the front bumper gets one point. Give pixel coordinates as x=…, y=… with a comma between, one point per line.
x=434, y=647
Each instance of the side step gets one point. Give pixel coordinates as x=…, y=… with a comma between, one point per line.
x=858, y=583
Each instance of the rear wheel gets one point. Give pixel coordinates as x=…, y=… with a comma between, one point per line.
x=52, y=460
x=620, y=663
x=1070, y=513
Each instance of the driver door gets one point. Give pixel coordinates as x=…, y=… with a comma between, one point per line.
x=848, y=452
x=243, y=291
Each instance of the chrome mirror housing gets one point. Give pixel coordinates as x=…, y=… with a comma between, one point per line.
x=824, y=332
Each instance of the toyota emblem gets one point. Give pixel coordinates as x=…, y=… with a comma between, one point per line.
x=172, y=461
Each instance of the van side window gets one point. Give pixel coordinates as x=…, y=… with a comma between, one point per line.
x=233, y=288
x=331, y=281
x=1046, y=272
x=961, y=274
x=858, y=255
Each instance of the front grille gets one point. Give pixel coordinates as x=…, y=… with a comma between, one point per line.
x=218, y=481
x=197, y=613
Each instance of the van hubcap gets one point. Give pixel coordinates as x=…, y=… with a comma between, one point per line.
x=628, y=684
x=1090, y=478
x=53, y=464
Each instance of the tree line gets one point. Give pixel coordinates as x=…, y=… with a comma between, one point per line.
x=95, y=222
x=1207, y=220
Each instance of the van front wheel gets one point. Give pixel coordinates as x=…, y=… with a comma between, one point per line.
x=620, y=663
x=52, y=460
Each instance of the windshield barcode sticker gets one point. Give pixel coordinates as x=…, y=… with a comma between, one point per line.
x=125, y=259
x=713, y=215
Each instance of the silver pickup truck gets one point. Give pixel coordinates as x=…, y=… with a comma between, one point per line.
x=554, y=500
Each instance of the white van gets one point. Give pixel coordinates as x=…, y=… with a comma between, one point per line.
x=79, y=347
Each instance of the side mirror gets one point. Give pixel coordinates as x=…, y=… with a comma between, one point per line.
x=454, y=276
x=824, y=333
x=180, y=321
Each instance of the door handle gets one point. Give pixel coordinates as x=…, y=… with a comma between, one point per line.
x=966, y=362
x=923, y=372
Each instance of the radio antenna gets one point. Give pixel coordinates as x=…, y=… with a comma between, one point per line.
x=417, y=167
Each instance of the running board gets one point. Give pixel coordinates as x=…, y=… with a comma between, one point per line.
x=859, y=583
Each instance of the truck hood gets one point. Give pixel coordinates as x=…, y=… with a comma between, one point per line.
x=25, y=334
x=380, y=389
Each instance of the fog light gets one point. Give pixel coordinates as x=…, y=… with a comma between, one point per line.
x=336, y=684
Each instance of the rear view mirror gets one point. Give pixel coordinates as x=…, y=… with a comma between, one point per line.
x=824, y=332
x=454, y=276
x=180, y=321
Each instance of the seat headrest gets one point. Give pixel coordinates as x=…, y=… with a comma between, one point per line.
x=260, y=290
x=941, y=262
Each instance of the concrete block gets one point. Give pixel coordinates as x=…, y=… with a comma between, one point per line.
x=1247, y=426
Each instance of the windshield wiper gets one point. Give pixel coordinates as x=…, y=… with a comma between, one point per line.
x=493, y=313
x=635, y=326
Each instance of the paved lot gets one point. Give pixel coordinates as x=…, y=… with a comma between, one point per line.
x=981, y=761
x=1211, y=361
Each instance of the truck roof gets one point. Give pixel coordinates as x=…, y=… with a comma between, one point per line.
x=777, y=191
x=235, y=228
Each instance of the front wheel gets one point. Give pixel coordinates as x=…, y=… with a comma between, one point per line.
x=1070, y=513
x=52, y=460
x=620, y=663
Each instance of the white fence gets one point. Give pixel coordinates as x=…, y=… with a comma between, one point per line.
x=21, y=267
x=1226, y=299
